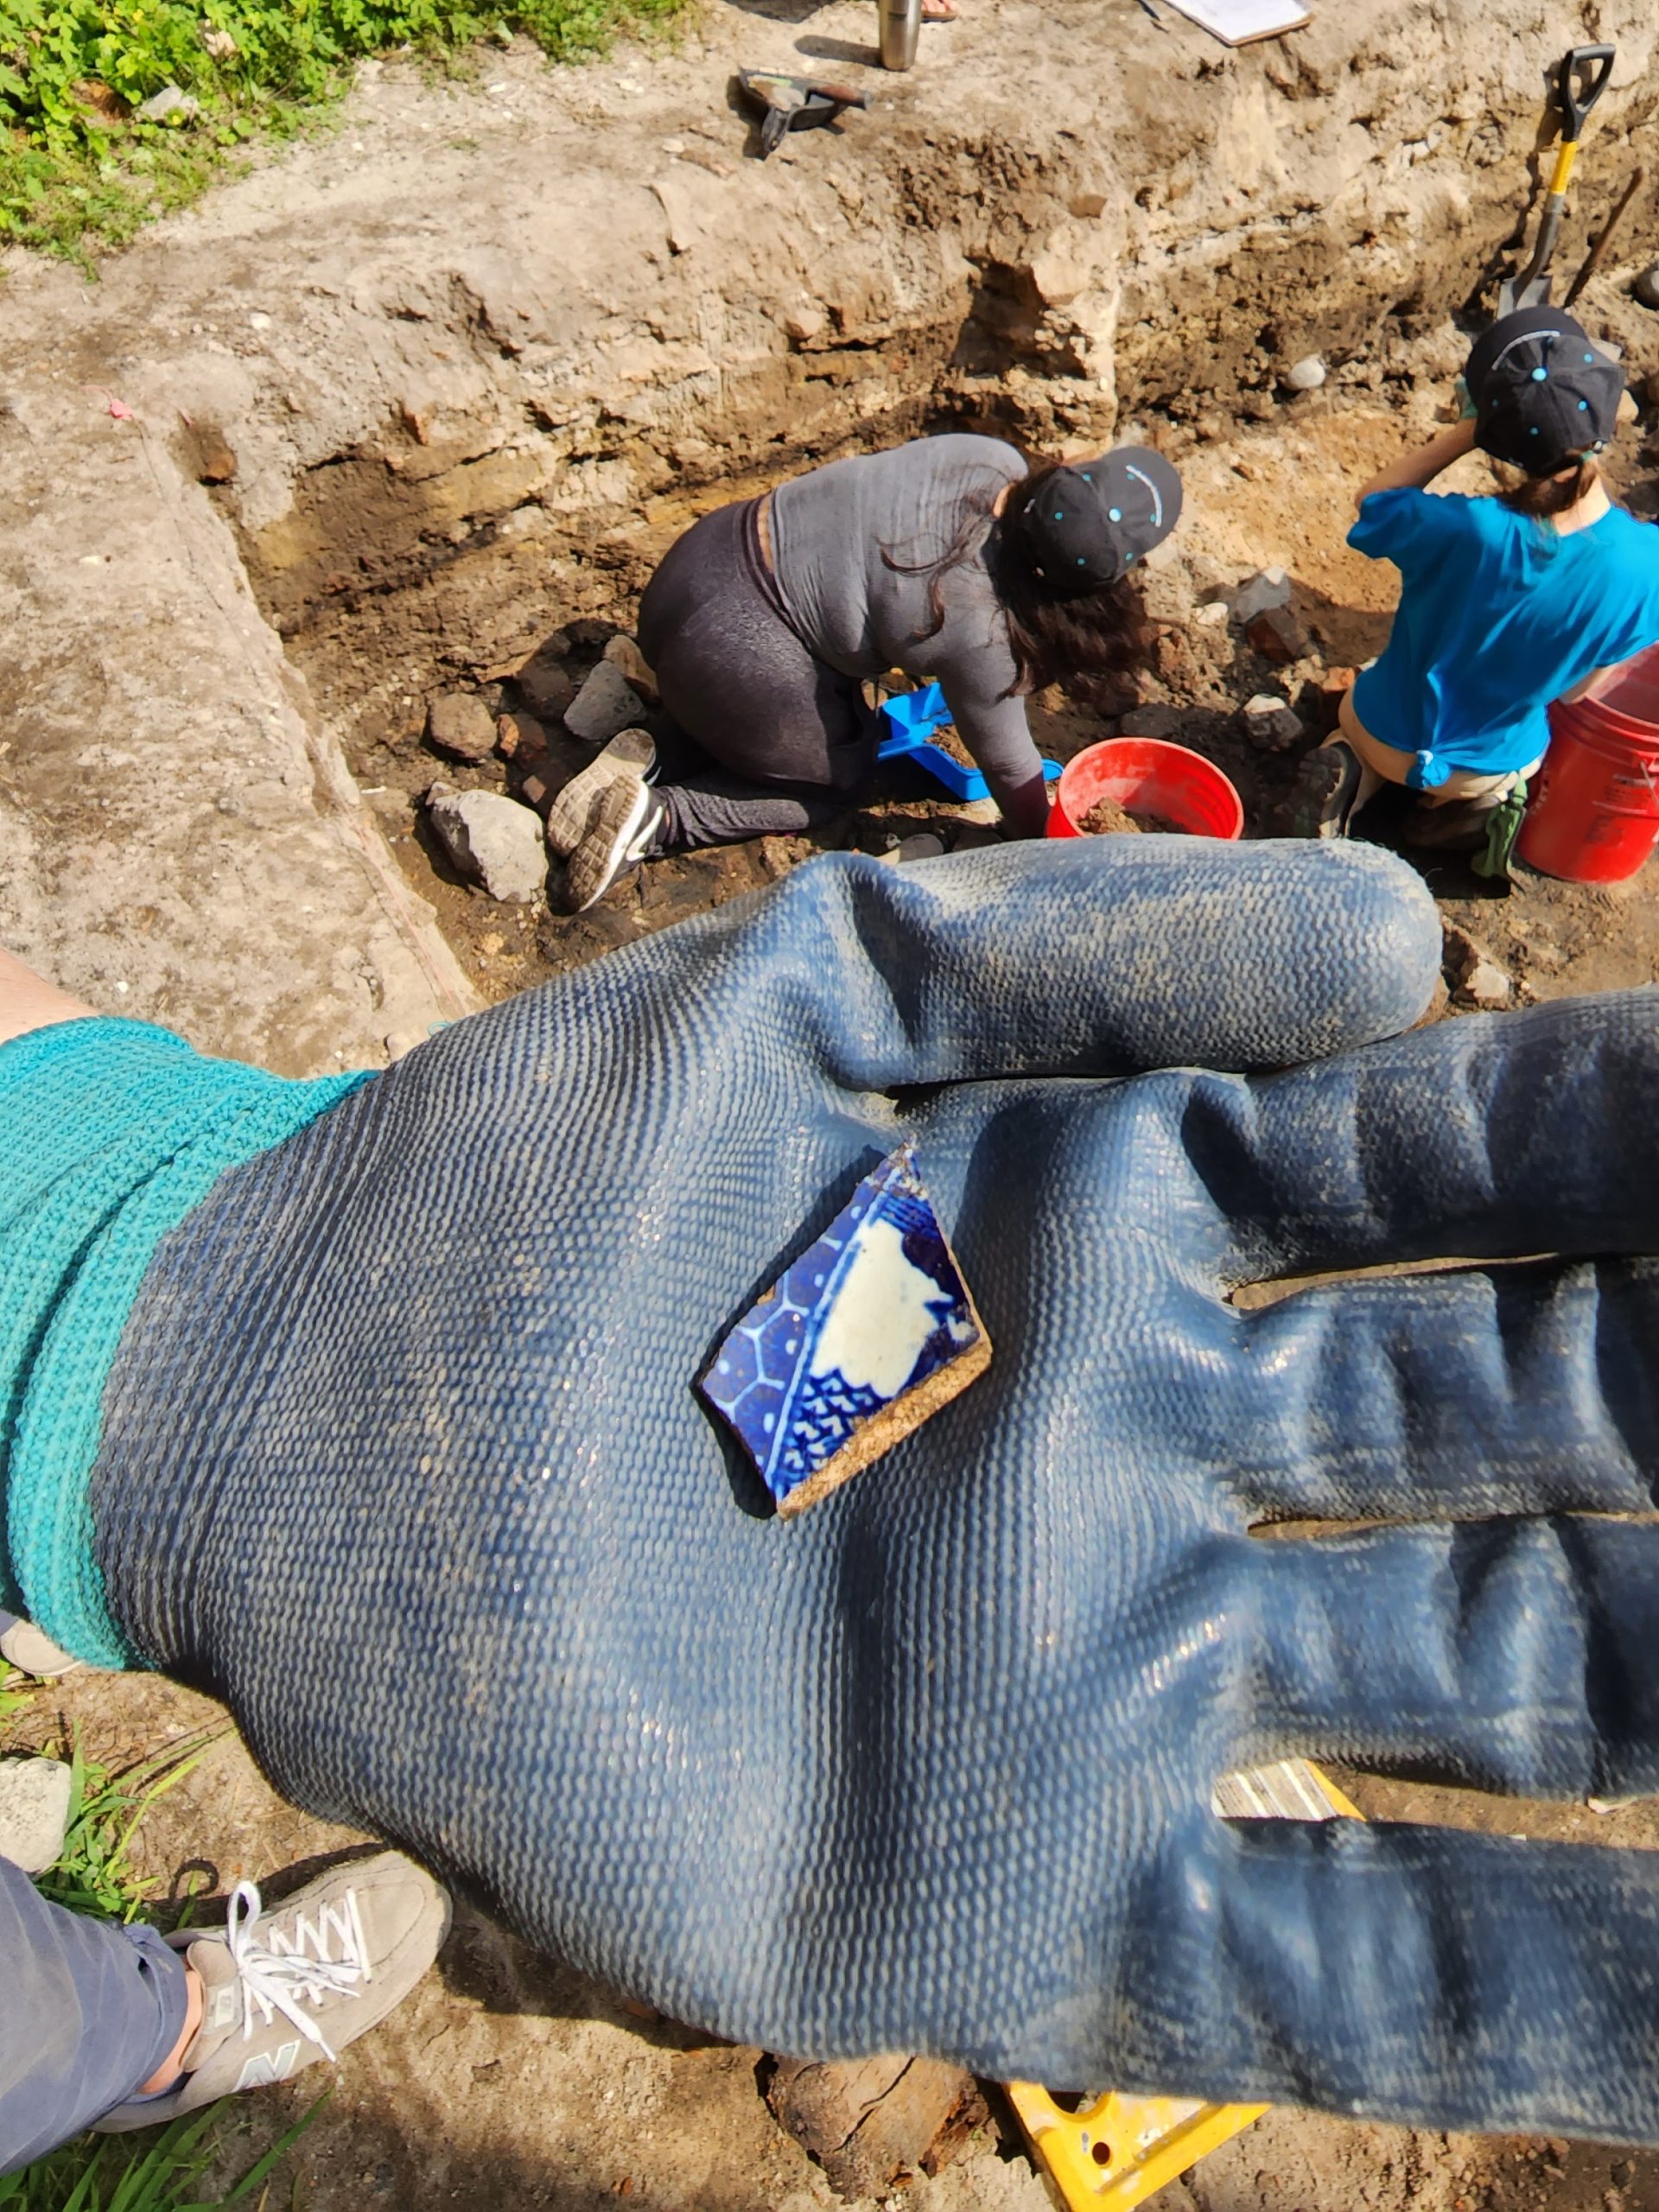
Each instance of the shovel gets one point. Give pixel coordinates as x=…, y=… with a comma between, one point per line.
x=1580, y=82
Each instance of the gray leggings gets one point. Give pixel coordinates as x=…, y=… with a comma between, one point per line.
x=87, y=2011
x=792, y=739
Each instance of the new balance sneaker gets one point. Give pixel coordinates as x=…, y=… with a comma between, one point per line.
x=31, y=1651
x=283, y=1988
x=630, y=753
x=624, y=819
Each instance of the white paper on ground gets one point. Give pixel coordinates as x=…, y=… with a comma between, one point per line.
x=1238, y=22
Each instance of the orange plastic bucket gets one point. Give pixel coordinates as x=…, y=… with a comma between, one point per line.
x=1593, y=817
x=1146, y=776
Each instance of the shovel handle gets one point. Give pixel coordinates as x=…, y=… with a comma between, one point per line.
x=1579, y=83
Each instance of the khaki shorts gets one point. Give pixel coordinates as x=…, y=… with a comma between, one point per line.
x=1387, y=764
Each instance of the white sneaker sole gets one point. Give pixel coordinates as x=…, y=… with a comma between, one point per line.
x=630, y=753
x=618, y=832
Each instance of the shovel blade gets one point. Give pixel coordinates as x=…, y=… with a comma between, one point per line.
x=1513, y=293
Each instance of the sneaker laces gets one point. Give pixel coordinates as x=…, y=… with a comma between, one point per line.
x=292, y=1967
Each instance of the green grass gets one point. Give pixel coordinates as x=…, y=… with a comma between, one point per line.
x=14, y=1696
x=162, y=2174
x=94, y=1874
x=78, y=167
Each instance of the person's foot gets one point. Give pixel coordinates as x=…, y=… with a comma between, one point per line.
x=31, y=1651
x=1326, y=793
x=1459, y=826
x=630, y=753
x=939, y=11
x=298, y=1983
x=624, y=819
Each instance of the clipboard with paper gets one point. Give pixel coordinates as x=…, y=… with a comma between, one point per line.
x=1239, y=22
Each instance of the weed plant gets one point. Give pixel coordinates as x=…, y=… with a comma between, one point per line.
x=163, y=2174
x=81, y=166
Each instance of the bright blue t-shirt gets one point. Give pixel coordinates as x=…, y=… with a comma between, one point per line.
x=1497, y=616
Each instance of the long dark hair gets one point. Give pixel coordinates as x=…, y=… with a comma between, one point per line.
x=1099, y=633
x=1542, y=497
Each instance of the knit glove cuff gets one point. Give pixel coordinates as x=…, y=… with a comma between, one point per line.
x=110, y=1132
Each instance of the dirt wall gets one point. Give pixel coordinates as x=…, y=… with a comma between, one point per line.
x=521, y=330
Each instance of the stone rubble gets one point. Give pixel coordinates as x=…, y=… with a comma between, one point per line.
x=1476, y=978
x=1277, y=634
x=34, y=1811
x=493, y=840
x=1271, y=723
x=1267, y=587
x=606, y=704
x=460, y=724
x=624, y=655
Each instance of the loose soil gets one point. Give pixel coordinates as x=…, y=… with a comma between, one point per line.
x=1106, y=818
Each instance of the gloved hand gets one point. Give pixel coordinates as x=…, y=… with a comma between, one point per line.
x=403, y=1458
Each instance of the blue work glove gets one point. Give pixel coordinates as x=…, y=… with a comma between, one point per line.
x=403, y=1456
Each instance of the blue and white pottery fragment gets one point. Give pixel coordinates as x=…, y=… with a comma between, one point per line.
x=870, y=1331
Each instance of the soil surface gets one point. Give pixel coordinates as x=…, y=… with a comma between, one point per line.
x=1106, y=818
x=413, y=408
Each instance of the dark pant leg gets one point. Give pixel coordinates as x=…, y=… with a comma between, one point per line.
x=87, y=2011
x=724, y=810
x=793, y=741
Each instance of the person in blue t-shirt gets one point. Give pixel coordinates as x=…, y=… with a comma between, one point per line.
x=1506, y=602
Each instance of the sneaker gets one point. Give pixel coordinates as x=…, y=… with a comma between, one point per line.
x=31, y=1651
x=630, y=753
x=1459, y=826
x=624, y=819
x=1328, y=783
x=283, y=1988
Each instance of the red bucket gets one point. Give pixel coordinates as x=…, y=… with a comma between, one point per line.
x=1593, y=817
x=1145, y=776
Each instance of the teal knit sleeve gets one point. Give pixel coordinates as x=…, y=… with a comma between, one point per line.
x=110, y=1132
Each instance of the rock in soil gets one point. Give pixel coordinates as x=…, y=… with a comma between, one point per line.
x=1267, y=588
x=869, y=2120
x=544, y=683
x=492, y=840
x=1646, y=287
x=606, y=704
x=208, y=451
x=923, y=845
x=1485, y=987
x=1475, y=976
x=624, y=655
x=1305, y=375
x=1270, y=722
x=170, y=101
x=1153, y=720
x=460, y=724
x=1277, y=635
x=34, y=1811
x=520, y=737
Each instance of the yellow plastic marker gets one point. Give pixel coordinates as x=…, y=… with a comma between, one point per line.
x=1118, y=2150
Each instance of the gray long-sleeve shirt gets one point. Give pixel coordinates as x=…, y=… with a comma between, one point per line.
x=828, y=532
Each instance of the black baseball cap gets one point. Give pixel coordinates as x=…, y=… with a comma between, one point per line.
x=1543, y=393
x=1089, y=522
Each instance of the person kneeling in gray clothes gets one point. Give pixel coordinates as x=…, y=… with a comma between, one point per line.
x=946, y=558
